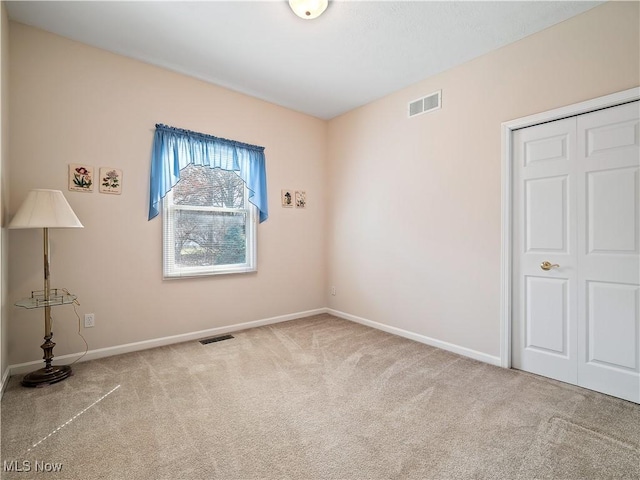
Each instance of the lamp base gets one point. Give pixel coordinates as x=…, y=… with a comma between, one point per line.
x=46, y=376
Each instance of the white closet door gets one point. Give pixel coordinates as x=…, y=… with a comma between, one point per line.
x=545, y=301
x=577, y=206
x=608, y=251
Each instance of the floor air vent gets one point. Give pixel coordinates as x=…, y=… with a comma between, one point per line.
x=206, y=341
x=425, y=104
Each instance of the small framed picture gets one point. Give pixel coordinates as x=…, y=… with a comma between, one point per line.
x=287, y=198
x=301, y=199
x=80, y=178
x=110, y=180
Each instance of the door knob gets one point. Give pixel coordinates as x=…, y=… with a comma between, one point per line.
x=548, y=265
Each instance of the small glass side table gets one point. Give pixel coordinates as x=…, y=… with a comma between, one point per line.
x=50, y=373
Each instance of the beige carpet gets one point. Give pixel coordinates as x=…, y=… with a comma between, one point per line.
x=314, y=398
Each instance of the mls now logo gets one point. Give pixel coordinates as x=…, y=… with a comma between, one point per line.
x=28, y=466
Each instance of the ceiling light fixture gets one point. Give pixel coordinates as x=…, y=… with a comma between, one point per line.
x=308, y=9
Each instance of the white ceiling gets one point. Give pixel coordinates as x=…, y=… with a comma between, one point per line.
x=356, y=52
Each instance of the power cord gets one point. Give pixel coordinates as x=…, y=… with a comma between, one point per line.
x=76, y=304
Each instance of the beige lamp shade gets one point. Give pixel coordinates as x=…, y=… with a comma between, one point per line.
x=45, y=209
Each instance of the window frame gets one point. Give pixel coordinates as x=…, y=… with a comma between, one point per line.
x=169, y=269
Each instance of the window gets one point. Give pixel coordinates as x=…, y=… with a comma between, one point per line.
x=213, y=192
x=209, y=224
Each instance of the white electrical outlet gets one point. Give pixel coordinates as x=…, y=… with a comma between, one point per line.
x=333, y=290
x=89, y=320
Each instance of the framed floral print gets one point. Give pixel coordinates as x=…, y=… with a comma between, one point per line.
x=301, y=199
x=287, y=198
x=110, y=180
x=80, y=178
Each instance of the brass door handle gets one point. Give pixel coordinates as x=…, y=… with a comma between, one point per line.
x=548, y=265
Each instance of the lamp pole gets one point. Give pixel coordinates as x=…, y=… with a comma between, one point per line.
x=50, y=373
x=48, y=345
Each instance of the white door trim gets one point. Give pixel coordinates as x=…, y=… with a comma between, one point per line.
x=507, y=200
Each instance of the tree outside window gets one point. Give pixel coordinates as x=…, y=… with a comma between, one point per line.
x=209, y=224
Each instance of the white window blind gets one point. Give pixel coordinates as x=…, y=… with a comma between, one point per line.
x=209, y=225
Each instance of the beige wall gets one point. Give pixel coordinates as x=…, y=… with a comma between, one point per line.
x=403, y=215
x=414, y=239
x=71, y=103
x=4, y=161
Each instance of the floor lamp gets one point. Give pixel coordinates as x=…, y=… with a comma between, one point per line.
x=46, y=209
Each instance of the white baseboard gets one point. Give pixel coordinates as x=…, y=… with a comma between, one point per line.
x=467, y=352
x=186, y=337
x=157, y=342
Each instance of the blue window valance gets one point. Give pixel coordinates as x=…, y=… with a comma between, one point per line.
x=175, y=148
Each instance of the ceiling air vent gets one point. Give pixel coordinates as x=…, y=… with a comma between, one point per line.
x=425, y=104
